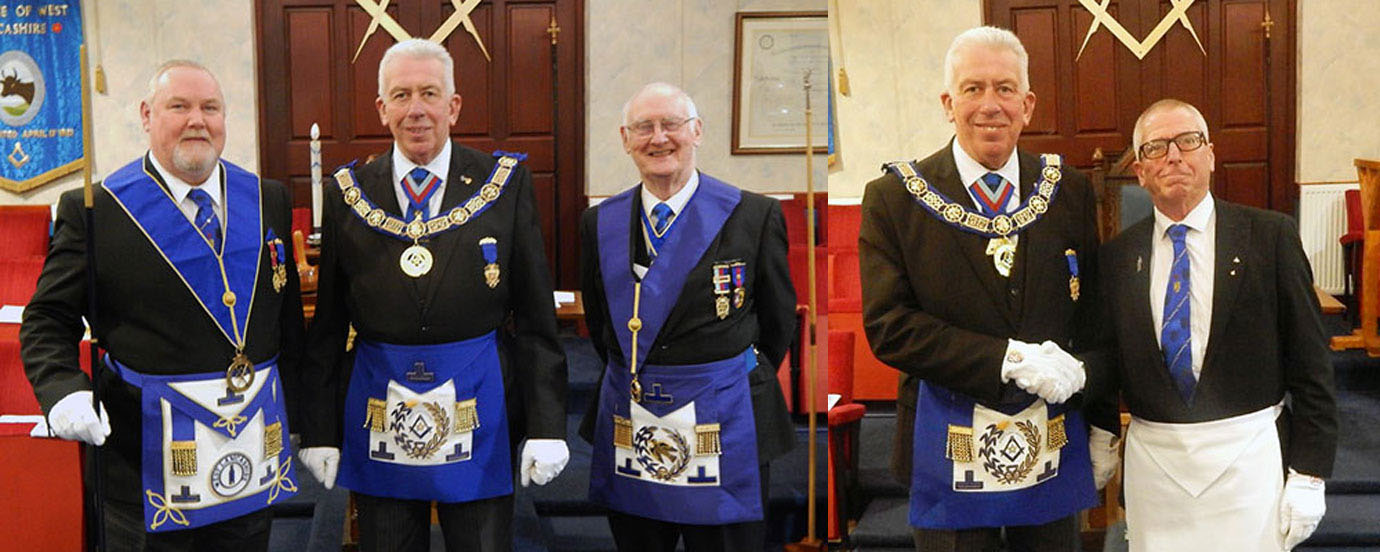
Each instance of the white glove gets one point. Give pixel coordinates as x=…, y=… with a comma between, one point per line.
x=74, y=419
x=1044, y=370
x=542, y=460
x=1102, y=447
x=322, y=462
x=1301, y=507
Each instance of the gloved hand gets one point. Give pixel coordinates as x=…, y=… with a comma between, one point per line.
x=1102, y=447
x=322, y=462
x=1044, y=370
x=74, y=419
x=542, y=460
x=1301, y=507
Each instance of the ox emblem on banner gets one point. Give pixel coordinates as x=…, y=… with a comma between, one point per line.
x=40, y=112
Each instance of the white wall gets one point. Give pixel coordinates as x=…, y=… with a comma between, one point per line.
x=133, y=38
x=688, y=43
x=1339, y=88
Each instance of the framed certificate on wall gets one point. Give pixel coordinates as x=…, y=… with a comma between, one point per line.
x=773, y=52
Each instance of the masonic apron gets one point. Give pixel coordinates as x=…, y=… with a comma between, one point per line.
x=213, y=442
x=672, y=443
x=1204, y=486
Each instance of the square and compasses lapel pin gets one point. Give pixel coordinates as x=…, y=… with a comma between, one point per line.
x=1235, y=261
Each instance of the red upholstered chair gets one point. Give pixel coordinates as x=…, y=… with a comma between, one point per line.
x=845, y=421
x=301, y=220
x=1353, y=243
x=26, y=231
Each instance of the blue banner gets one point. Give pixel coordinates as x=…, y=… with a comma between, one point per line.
x=40, y=92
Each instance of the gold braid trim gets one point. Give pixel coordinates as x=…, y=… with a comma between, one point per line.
x=273, y=440
x=375, y=414
x=183, y=458
x=1055, y=431
x=707, y=440
x=959, y=446
x=466, y=415
x=622, y=432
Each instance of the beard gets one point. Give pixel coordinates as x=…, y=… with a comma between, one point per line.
x=193, y=158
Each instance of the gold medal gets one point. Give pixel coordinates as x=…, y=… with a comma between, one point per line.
x=721, y=306
x=1003, y=252
x=1074, y=287
x=739, y=296
x=240, y=375
x=279, y=278
x=416, y=261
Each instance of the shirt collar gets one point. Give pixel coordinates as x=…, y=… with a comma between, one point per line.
x=678, y=199
x=439, y=165
x=1197, y=219
x=179, y=189
x=969, y=170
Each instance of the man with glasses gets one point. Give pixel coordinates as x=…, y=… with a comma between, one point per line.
x=977, y=267
x=1214, y=319
x=433, y=254
x=689, y=302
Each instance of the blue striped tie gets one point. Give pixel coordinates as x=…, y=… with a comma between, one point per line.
x=1176, y=337
x=418, y=199
x=662, y=214
x=206, y=221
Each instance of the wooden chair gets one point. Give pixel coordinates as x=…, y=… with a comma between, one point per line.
x=1368, y=290
x=845, y=423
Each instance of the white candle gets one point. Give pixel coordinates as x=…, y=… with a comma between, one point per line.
x=315, y=177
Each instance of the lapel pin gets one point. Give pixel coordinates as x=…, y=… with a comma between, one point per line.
x=1233, y=272
x=466, y=179
x=1236, y=260
x=1139, y=262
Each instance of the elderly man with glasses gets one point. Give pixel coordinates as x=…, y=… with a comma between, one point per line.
x=1212, y=322
x=689, y=302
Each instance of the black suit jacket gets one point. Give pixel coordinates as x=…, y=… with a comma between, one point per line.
x=755, y=233
x=935, y=308
x=362, y=285
x=1266, y=335
x=146, y=318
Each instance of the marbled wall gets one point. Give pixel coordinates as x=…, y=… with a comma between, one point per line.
x=894, y=53
x=131, y=39
x=1339, y=88
x=688, y=43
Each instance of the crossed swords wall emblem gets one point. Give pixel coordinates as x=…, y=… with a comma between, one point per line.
x=379, y=12
x=1177, y=14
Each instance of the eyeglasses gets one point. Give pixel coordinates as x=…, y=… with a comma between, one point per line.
x=643, y=129
x=1187, y=142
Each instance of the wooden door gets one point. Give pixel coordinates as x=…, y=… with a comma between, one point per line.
x=527, y=98
x=1241, y=78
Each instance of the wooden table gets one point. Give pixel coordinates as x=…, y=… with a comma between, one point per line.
x=1330, y=304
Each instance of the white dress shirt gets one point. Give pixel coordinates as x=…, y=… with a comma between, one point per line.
x=677, y=203
x=179, y=190
x=970, y=171
x=1201, y=247
x=439, y=166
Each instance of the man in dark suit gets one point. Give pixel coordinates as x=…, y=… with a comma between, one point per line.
x=1215, y=322
x=433, y=254
x=688, y=300
x=186, y=246
x=975, y=265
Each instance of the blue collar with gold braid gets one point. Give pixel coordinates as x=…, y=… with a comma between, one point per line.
x=967, y=219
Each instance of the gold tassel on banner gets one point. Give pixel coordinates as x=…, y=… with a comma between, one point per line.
x=375, y=414
x=273, y=440
x=466, y=415
x=183, y=458
x=707, y=440
x=959, y=446
x=622, y=432
x=1057, y=437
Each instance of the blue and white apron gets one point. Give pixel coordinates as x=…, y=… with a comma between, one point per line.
x=975, y=466
x=427, y=422
x=210, y=452
x=687, y=452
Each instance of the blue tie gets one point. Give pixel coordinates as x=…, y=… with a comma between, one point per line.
x=420, y=195
x=993, y=182
x=1176, y=338
x=662, y=214
x=206, y=221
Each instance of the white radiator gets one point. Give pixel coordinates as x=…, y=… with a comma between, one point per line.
x=1322, y=220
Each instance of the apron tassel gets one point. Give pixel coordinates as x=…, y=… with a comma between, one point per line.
x=374, y=415
x=466, y=416
x=1055, y=430
x=622, y=432
x=273, y=440
x=707, y=440
x=959, y=446
x=183, y=458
